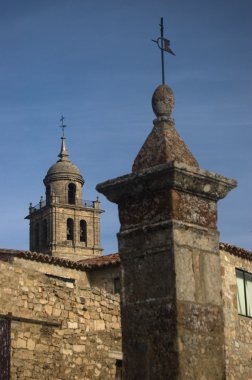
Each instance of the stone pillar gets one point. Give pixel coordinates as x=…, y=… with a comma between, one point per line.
x=172, y=321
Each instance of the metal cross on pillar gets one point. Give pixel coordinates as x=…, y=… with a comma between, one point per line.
x=164, y=45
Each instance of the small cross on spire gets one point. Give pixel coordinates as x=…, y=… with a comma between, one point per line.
x=62, y=126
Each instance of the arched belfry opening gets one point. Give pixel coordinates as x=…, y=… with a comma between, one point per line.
x=83, y=231
x=48, y=194
x=70, y=229
x=71, y=195
x=36, y=236
x=44, y=233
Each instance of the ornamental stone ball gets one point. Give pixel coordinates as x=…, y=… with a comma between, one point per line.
x=163, y=101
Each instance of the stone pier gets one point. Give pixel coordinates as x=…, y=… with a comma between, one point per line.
x=172, y=319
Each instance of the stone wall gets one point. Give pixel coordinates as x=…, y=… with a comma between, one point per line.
x=237, y=328
x=87, y=343
x=104, y=278
x=90, y=324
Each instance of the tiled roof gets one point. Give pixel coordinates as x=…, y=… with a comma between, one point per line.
x=98, y=262
x=106, y=260
x=83, y=265
x=236, y=251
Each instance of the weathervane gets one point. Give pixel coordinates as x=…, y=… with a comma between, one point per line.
x=62, y=126
x=164, y=45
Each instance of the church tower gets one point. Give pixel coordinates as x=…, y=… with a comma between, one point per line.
x=64, y=224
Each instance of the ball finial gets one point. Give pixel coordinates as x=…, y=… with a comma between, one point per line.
x=163, y=101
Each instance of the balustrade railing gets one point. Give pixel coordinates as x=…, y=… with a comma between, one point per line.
x=62, y=200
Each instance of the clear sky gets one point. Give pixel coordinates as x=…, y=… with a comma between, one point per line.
x=94, y=62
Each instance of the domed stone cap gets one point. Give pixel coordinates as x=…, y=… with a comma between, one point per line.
x=63, y=170
x=63, y=167
x=163, y=101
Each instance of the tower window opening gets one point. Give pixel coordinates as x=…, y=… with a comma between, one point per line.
x=70, y=229
x=117, y=285
x=71, y=193
x=44, y=232
x=83, y=231
x=36, y=235
x=48, y=194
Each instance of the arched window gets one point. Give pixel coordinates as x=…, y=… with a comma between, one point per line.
x=44, y=232
x=71, y=193
x=36, y=235
x=70, y=229
x=48, y=194
x=83, y=231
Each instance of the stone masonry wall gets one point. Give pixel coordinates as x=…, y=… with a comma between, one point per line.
x=237, y=328
x=90, y=330
x=104, y=278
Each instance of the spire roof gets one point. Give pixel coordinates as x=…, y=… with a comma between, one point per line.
x=63, y=151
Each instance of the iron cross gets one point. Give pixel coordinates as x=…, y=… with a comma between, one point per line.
x=62, y=126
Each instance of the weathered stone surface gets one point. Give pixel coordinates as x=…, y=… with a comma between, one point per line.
x=163, y=101
x=163, y=145
x=172, y=319
x=237, y=328
x=77, y=349
x=170, y=257
x=173, y=175
x=145, y=344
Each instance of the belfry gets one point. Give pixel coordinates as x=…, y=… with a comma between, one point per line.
x=64, y=224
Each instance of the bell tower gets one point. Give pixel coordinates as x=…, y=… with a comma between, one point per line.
x=63, y=224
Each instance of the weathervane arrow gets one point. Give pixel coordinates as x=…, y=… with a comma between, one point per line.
x=164, y=45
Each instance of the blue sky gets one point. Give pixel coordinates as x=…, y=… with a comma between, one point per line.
x=94, y=62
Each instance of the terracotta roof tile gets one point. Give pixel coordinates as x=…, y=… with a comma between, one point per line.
x=101, y=261
x=236, y=251
x=83, y=265
x=106, y=260
x=41, y=257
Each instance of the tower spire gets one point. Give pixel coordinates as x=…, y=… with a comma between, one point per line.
x=63, y=151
